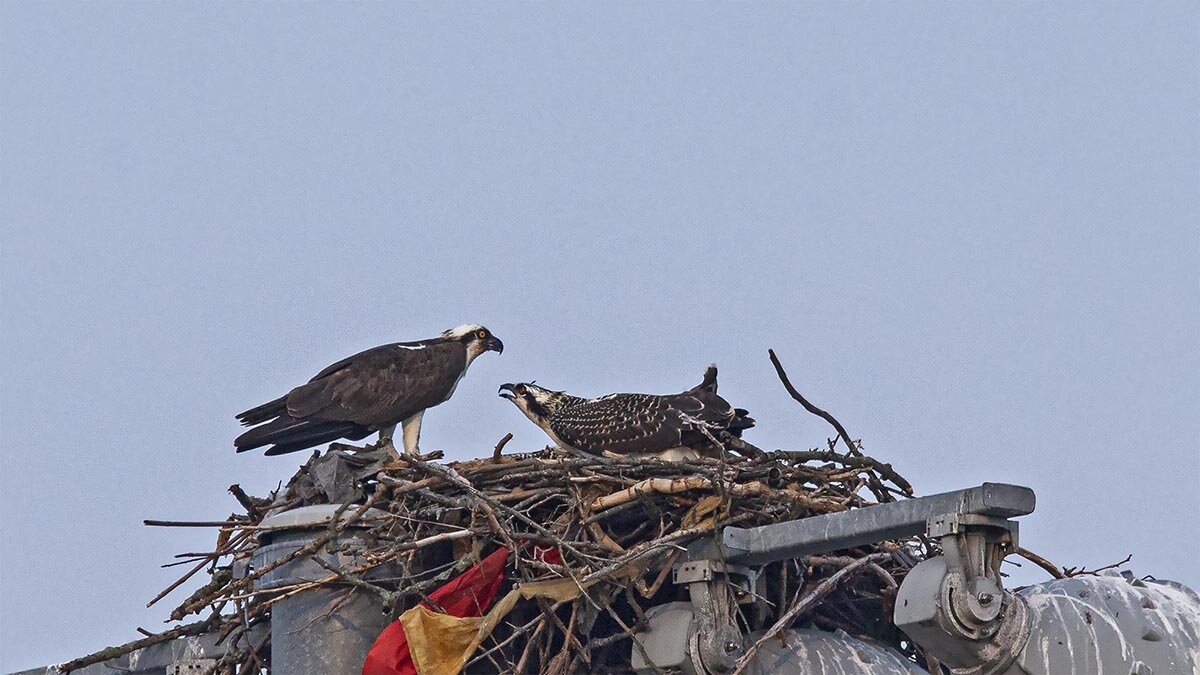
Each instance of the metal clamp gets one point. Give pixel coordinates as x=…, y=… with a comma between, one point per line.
x=946, y=524
x=190, y=666
x=706, y=570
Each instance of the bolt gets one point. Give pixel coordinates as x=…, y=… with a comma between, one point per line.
x=985, y=599
x=731, y=647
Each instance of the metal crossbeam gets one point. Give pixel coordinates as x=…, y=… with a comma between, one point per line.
x=856, y=527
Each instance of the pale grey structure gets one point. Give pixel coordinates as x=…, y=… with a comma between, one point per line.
x=953, y=605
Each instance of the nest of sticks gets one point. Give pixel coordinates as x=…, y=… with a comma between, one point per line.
x=619, y=526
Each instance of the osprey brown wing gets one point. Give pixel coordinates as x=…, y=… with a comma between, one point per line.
x=377, y=387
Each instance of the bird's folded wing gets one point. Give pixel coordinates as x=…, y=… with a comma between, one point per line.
x=621, y=424
x=382, y=385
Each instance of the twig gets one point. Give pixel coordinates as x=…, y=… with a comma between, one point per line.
x=246, y=501
x=1041, y=562
x=670, y=486
x=862, y=461
x=1083, y=571
x=193, y=523
x=229, y=547
x=489, y=504
x=387, y=597
x=787, y=384
x=113, y=652
x=500, y=447
x=517, y=632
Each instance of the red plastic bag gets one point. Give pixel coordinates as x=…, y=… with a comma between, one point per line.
x=468, y=594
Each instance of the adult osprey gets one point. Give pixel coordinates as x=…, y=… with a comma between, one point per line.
x=671, y=427
x=371, y=391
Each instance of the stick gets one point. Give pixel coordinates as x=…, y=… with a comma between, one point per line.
x=862, y=461
x=114, y=652
x=192, y=523
x=1041, y=562
x=245, y=500
x=208, y=558
x=671, y=486
x=649, y=547
x=499, y=447
x=490, y=504
x=1073, y=572
x=787, y=384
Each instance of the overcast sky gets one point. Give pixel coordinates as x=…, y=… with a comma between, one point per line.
x=969, y=230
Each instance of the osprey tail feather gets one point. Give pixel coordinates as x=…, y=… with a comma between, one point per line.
x=709, y=383
x=288, y=434
x=263, y=412
x=740, y=422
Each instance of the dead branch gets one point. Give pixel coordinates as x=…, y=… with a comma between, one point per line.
x=851, y=446
x=1041, y=562
x=500, y=447
x=1083, y=571
x=114, y=652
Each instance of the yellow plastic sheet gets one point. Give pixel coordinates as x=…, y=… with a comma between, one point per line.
x=440, y=644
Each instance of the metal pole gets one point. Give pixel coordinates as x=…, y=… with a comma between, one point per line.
x=327, y=629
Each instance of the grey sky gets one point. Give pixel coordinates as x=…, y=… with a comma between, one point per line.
x=970, y=231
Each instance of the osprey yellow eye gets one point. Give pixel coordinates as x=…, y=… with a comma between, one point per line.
x=481, y=334
x=521, y=390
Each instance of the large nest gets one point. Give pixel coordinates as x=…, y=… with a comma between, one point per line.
x=617, y=526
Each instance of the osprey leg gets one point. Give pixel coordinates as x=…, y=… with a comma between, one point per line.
x=385, y=441
x=412, y=433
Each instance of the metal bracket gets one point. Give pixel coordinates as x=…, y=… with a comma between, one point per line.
x=191, y=667
x=945, y=524
x=705, y=570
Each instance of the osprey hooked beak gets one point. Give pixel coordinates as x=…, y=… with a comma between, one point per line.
x=522, y=390
x=534, y=401
x=493, y=343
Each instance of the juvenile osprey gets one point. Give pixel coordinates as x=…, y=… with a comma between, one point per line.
x=371, y=391
x=671, y=427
